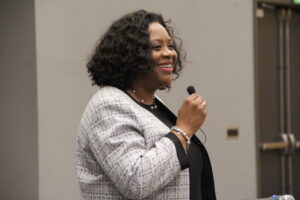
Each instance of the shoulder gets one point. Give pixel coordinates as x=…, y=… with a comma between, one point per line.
x=108, y=101
x=109, y=95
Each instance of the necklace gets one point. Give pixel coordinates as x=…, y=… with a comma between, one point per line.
x=153, y=106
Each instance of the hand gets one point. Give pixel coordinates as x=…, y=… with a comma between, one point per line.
x=192, y=114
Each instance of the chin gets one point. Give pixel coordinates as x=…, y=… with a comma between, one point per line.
x=168, y=86
x=165, y=85
x=167, y=80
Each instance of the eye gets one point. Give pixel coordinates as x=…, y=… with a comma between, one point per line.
x=155, y=47
x=171, y=46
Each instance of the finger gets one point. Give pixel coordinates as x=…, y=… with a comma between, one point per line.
x=199, y=99
x=204, y=103
x=203, y=106
x=193, y=97
x=205, y=113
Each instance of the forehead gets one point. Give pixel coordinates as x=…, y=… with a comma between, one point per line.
x=158, y=32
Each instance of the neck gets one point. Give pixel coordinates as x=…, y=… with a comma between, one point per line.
x=142, y=93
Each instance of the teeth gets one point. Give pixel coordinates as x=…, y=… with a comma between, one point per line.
x=166, y=66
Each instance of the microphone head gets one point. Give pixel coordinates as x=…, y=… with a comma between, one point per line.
x=191, y=90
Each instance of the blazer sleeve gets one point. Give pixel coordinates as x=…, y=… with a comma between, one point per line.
x=119, y=147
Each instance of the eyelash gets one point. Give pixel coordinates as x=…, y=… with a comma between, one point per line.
x=157, y=47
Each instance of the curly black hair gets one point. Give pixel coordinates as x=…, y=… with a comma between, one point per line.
x=124, y=51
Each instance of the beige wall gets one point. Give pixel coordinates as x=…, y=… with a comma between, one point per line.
x=218, y=37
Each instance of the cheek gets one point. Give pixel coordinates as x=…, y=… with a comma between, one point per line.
x=175, y=56
x=155, y=56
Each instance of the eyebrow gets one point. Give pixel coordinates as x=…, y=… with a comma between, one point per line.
x=160, y=40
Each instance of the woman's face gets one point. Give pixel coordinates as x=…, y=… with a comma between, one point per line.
x=163, y=54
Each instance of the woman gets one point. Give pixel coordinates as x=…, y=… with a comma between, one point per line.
x=130, y=146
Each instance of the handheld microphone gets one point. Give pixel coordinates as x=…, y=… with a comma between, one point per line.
x=191, y=89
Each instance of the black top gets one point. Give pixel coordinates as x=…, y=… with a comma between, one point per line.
x=196, y=157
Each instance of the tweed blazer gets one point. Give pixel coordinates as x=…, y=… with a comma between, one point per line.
x=122, y=152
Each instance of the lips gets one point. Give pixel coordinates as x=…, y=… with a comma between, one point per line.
x=166, y=66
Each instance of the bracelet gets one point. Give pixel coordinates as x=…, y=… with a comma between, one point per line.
x=181, y=132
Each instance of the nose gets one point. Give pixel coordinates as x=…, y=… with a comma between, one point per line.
x=166, y=52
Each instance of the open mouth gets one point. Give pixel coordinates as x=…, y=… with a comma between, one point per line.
x=166, y=68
